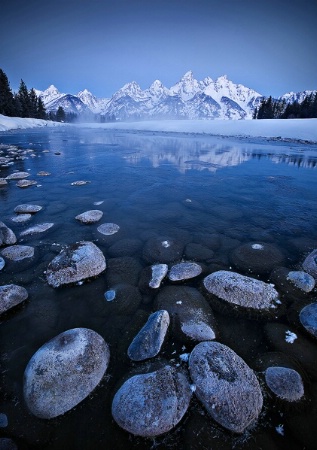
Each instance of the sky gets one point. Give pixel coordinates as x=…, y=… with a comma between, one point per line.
x=267, y=45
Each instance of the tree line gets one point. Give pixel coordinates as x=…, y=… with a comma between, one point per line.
x=25, y=103
x=271, y=108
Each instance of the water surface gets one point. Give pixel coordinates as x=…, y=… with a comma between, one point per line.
x=185, y=187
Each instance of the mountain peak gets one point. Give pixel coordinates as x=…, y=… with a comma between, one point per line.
x=52, y=90
x=188, y=75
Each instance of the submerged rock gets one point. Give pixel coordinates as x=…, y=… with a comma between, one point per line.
x=192, y=317
x=75, y=263
x=3, y=182
x=162, y=250
x=27, y=209
x=259, y=258
x=92, y=216
x=7, y=237
x=310, y=264
x=64, y=371
x=285, y=383
x=184, y=271
x=108, y=228
x=241, y=290
x=79, y=182
x=11, y=295
x=40, y=228
x=152, y=404
x=308, y=318
x=225, y=385
x=18, y=252
x=301, y=280
x=21, y=218
x=148, y=342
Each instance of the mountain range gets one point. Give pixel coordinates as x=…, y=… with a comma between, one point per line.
x=187, y=99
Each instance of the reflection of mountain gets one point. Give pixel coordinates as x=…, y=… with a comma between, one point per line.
x=199, y=153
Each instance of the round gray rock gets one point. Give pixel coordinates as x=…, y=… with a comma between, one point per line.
x=285, y=383
x=148, y=342
x=308, y=318
x=310, y=264
x=64, y=371
x=18, y=252
x=21, y=218
x=7, y=237
x=11, y=295
x=152, y=404
x=241, y=290
x=184, y=271
x=92, y=216
x=75, y=263
x=225, y=385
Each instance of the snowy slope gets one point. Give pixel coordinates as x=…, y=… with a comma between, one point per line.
x=299, y=97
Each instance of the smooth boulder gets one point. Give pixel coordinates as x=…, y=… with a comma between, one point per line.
x=225, y=385
x=310, y=264
x=285, y=383
x=11, y=295
x=64, y=371
x=7, y=237
x=153, y=403
x=241, y=290
x=75, y=263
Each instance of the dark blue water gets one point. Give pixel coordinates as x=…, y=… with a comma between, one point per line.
x=150, y=184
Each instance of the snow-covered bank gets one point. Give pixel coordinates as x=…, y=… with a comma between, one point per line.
x=305, y=129
x=14, y=123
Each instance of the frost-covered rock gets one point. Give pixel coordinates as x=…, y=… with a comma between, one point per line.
x=26, y=183
x=40, y=228
x=148, y=342
x=285, y=383
x=3, y=182
x=184, y=271
x=310, y=264
x=11, y=295
x=17, y=176
x=241, y=290
x=18, y=252
x=7, y=237
x=301, y=280
x=64, y=371
x=152, y=404
x=27, y=209
x=92, y=216
x=260, y=258
x=108, y=229
x=75, y=263
x=2, y=263
x=225, y=385
x=308, y=318
x=192, y=317
x=159, y=272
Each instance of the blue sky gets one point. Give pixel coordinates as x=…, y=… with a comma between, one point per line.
x=100, y=45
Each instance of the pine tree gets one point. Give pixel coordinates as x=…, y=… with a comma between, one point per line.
x=40, y=110
x=60, y=115
x=32, y=103
x=7, y=106
x=24, y=99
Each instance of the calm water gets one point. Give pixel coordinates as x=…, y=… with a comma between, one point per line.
x=150, y=184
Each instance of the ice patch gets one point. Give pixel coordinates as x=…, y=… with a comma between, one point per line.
x=257, y=247
x=166, y=244
x=184, y=357
x=290, y=337
x=280, y=429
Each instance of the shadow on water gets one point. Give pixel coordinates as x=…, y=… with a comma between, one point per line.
x=211, y=192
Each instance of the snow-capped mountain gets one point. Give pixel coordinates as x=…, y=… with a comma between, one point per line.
x=298, y=97
x=187, y=99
